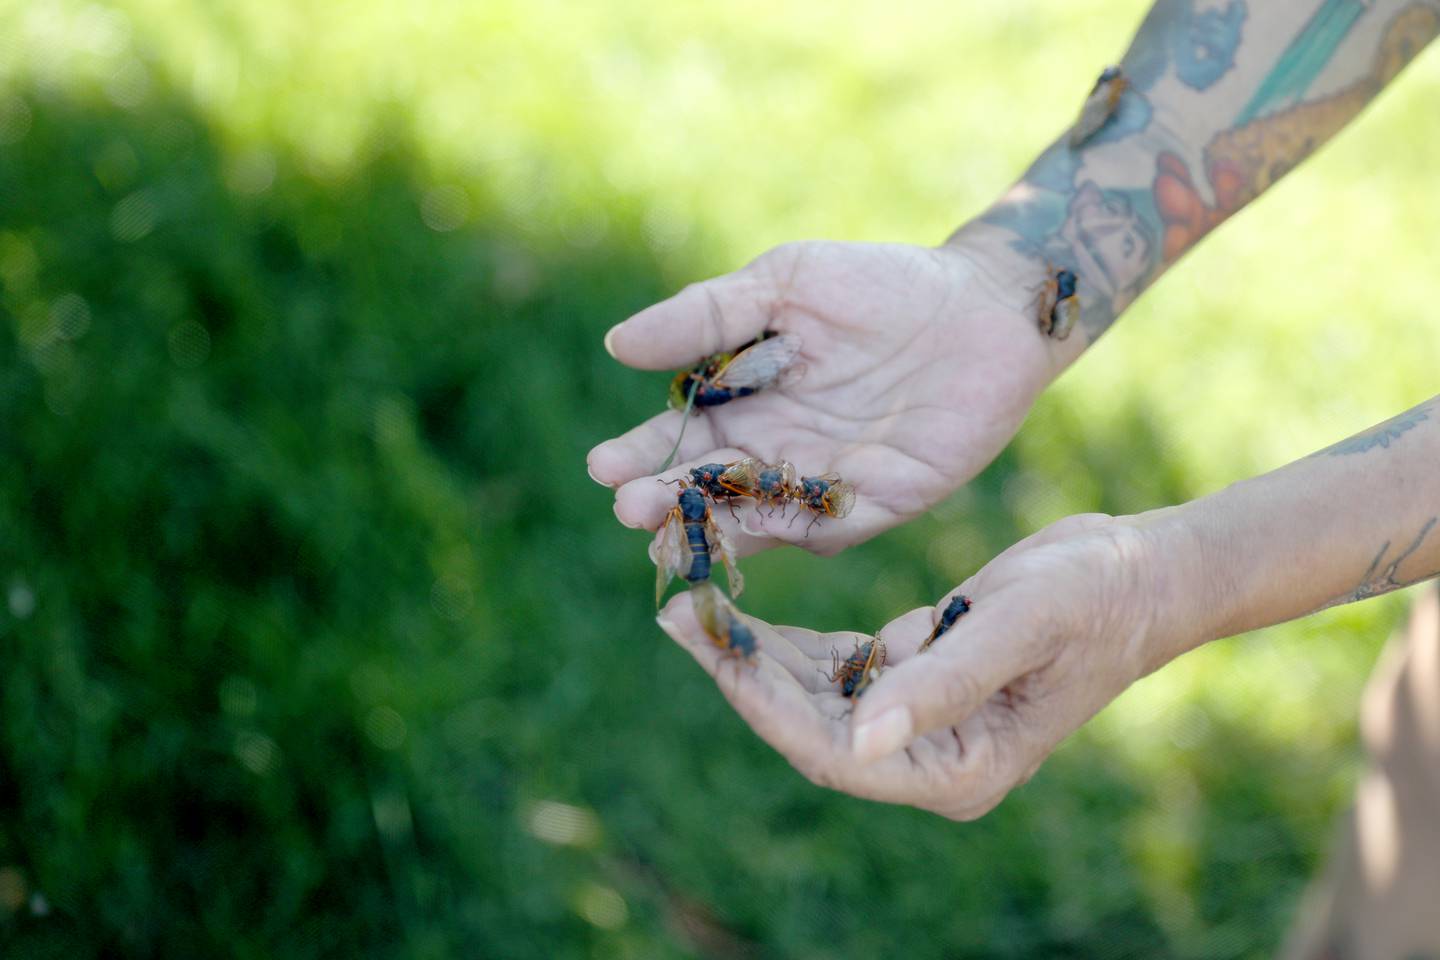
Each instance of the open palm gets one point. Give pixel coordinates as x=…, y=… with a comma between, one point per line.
x=1062, y=622
x=919, y=365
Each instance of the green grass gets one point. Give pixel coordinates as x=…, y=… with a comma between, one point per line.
x=318, y=641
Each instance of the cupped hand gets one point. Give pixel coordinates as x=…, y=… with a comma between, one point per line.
x=1061, y=623
x=919, y=365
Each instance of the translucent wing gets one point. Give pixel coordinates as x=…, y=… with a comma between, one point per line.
x=1092, y=117
x=866, y=678
x=670, y=553
x=719, y=543
x=840, y=498
x=878, y=654
x=721, y=621
x=1065, y=314
x=742, y=476
x=1045, y=305
x=1099, y=107
x=709, y=603
x=760, y=365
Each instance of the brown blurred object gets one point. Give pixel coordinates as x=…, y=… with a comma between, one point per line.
x=1379, y=899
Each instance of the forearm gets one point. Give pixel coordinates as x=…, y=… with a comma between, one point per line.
x=1353, y=521
x=1224, y=98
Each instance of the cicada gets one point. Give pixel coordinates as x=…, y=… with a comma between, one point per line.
x=857, y=671
x=958, y=606
x=770, y=484
x=1100, y=105
x=721, y=621
x=824, y=496
x=1059, y=306
x=723, y=482
x=723, y=377
x=687, y=541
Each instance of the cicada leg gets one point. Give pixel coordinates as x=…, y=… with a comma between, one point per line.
x=813, y=520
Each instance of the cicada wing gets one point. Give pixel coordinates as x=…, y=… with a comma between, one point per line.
x=840, y=499
x=790, y=375
x=1099, y=107
x=711, y=612
x=761, y=365
x=878, y=654
x=1065, y=314
x=741, y=477
x=1092, y=117
x=866, y=678
x=721, y=544
x=1045, y=305
x=787, y=474
x=670, y=553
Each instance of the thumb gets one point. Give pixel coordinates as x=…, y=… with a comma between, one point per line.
x=704, y=318
x=991, y=646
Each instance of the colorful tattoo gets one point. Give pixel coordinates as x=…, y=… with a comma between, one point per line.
x=1303, y=60
x=1246, y=160
x=1199, y=39
x=1117, y=223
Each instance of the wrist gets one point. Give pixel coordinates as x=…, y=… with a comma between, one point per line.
x=1092, y=212
x=989, y=262
x=1181, y=581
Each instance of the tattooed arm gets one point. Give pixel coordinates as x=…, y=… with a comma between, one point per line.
x=1351, y=522
x=920, y=364
x=1062, y=622
x=1224, y=98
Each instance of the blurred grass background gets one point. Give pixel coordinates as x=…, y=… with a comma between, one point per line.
x=315, y=638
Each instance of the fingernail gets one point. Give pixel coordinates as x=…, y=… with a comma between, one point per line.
x=667, y=625
x=752, y=525
x=624, y=522
x=610, y=340
x=883, y=735
x=591, y=471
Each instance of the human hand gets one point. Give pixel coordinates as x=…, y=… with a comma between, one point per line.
x=920, y=365
x=1062, y=622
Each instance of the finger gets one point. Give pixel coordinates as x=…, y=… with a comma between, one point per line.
x=905, y=633
x=791, y=720
x=819, y=646
x=802, y=527
x=994, y=643
x=702, y=319
x=796, y=652
x=766, y=695
x=639, y=451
